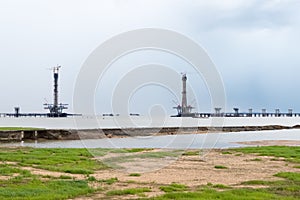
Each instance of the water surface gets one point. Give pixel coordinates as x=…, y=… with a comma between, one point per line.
x=188, y=141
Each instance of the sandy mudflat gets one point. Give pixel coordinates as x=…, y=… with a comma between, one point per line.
x=193, y=170
x=272, y=143
x=199, y=169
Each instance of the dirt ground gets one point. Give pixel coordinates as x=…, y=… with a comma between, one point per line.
x=191, y=170
x=195, y=171
x=272, y=143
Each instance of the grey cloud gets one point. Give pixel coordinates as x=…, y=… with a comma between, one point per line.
x=253, y=15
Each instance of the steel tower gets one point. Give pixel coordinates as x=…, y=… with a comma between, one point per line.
x=184, y=110
x=56, y=109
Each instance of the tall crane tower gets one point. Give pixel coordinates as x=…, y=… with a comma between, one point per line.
x=184, y=110
x=56, y=109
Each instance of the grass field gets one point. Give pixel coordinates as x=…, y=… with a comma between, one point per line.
x=80, y=175
x=19, y=129
x=73, y=161
x=291, y=154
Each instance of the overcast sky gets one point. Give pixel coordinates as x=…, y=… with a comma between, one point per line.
x=254, y=45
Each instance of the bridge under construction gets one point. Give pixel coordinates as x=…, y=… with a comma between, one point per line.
x=56, y=109
x=185, y=110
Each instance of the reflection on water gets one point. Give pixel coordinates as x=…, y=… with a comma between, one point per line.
x=189, y=141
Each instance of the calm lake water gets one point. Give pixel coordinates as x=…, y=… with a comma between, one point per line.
x=90, y=122
x=190, y=141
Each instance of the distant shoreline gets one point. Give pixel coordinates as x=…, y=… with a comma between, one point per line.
x=72, y=134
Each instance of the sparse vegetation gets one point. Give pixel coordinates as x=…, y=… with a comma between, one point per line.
x=290, y=176
x=217, y=186
x=24, y=185
x=103, y=151
x=135, y=174
x=226, y=152
x=291, y=154
x=290, y=186
x=109, y=181
x=220, y=167
x=288, y=189
x=174, y=187
x=191, y=153
x=130, y=191
x=114, y=162
x=7, y=170
x=73, y=161
x=159, y=154
x=256, y=182
x=221, y=186
x=28, y=186
x=136, y=150
x=65, y=177
x=236, y=194
x=36, y=189
x=19, y=183
x=19, y=129
x=91, y=178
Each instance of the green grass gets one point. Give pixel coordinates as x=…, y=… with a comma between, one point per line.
x=209, y=194
x=290, y=186
x=292, y=176
x=28, y=186
x=65, y=177
x=226, y=152
x=191, y=153
x=217, y=186
x=91, y=178
x=291, y=154
x=220, y=167
x=24, y=185
x=74, y=161
x=135, y=174
x=136, y=150
x=19, y=129
x=286, y=189
x=221, y=186
x=257, y=182
x=109, y=181
x=21, y=184
x=36, y=189
x=174, y=187
x=7, y=170
x=130, y=191
x=49, y=176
